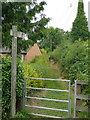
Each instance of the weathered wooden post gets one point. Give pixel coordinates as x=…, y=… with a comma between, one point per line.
x=15, y=34
x=79, y=98
x=13, y=71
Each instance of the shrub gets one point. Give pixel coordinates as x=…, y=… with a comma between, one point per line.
x=6, y=85
x=43, y=51
x=73, y=59
x=29, y=71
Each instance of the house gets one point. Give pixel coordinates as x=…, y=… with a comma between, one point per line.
x=31, y=53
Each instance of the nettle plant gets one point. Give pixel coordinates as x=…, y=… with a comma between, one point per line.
x=6, y=85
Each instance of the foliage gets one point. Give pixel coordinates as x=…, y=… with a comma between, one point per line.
x=52, y=37
x=43, y=67
x=29, y=71
x=22, y=114
x=6, y=84
x=80, y=25
x=31, y=21
x=73, y=59
x=43, y=51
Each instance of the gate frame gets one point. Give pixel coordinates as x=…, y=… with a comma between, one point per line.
x=26, y=97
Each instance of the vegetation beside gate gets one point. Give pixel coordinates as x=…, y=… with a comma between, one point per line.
x=6, y=85
x=72, y=59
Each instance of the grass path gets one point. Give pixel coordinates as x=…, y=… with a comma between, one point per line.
x=53, y=95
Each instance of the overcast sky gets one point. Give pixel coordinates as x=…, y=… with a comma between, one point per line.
x=63, y=12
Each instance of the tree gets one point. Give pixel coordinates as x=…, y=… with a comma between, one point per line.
x=29, y=18
x=80, y=25
x=52, y=38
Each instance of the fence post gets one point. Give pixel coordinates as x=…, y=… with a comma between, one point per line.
x=24, y=94
x=75, y=99
x=69, y=104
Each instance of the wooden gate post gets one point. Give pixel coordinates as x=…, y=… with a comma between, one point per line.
x=79, y=98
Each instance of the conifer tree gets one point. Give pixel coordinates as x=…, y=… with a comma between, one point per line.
x=80, y=24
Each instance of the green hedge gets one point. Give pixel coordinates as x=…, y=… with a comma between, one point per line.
x=72, y=59
x=6, y=85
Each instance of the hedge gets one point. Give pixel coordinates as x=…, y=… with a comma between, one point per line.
x=6, y=85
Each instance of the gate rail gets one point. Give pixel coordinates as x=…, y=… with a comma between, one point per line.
x=47, y=89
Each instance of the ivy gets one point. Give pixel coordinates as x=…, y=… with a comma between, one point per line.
x=6, y=85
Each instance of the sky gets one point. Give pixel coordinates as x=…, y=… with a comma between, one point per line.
x=63, y=12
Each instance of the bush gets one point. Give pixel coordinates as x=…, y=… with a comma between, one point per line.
x=29, y=71
x=73, y=59
x=6, y=85
x=43, y=51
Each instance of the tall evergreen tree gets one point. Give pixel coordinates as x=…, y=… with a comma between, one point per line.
x=80, y=24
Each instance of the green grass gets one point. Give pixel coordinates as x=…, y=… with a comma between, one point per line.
x=57, y=105
x=42, y=65
x=52, y=104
